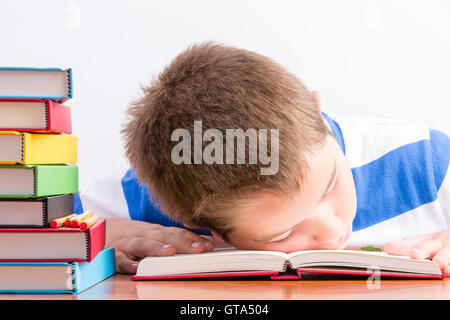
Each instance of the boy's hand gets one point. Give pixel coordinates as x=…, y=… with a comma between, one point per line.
x=435, y=247
x=134, y=240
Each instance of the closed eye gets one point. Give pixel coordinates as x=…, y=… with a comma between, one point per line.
x=281, y=237
x=332, y=188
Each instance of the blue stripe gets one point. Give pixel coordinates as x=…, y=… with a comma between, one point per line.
x=142, y=207
x=399, y=181
x=77, y=204
x=440, y=146
x=336, y=130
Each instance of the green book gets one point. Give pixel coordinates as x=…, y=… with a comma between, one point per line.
x=31, y=181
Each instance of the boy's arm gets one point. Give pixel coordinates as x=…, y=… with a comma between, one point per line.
x=435, y=246
x=134, y=240
x=134, y=225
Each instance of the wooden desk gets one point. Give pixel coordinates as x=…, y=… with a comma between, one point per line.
x=121, y=287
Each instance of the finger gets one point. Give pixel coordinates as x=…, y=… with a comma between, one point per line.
x=447, y=271
x=125, y=264
x=404, y=246
x=141, y=247
x=442, y=258
x=186, y=241
x=209, y=244
x=425, y=249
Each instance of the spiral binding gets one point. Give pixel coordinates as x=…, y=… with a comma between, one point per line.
x=70, y=282
x=34, y=181
x=45, y=213
x=21, y=149
x=69, y=80
x=47, y=125
x=88, y=245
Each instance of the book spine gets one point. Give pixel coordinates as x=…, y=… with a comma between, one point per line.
x=100, y=268
x=59, y=206
x=56, y=180
x=49, y=149
x=59, y=117
x=95, y=240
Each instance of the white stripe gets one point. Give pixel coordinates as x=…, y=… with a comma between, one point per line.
x=429, y=218
x=368, y=138
x=444, y=197
x=105, y=197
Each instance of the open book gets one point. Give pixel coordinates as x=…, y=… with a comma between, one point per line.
x=230, y=262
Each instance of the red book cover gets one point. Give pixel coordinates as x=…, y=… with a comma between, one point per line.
x=273, y=275
x=58, y=117
x=93, y=241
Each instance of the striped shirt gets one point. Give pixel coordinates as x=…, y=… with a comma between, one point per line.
x=400, y=171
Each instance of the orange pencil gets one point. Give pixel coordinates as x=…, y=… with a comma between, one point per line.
x=88, y=223
x=58, y=223
x=75, y=222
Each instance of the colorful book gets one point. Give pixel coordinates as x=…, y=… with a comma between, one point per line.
x=32, y=181
x=37, y=148
x=56, y=277
x=63, y=244
x=34, y=212
x=279, y=265
x=36, y=83
x=35, y=115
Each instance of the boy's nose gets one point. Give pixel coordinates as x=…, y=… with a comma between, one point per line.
x=328, y=229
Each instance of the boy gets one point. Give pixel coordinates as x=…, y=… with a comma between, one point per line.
x=383, y=179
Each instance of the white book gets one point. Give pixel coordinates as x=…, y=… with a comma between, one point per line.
x=233, y=261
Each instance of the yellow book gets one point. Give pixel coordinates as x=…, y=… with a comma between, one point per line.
x=37, y=148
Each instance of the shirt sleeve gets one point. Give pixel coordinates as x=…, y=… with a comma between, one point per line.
x=440, y=146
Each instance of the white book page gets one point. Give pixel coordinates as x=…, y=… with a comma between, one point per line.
x=222, y=260
x=36, y=277
x=361, y=259
x=33, y=83
x=43, y=245
x=16, y=181
x=21, y=213
x=27, y=115
x=10, y=148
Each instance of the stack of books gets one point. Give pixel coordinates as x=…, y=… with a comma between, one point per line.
x=38, y=180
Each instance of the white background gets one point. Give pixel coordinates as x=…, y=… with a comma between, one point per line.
x=386, y=58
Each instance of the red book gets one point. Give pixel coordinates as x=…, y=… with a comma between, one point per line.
x=34, y=115
x=63, y=244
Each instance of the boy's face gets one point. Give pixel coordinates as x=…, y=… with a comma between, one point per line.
x=319, y=217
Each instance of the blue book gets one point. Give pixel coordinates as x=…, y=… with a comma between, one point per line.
x=36, y=83
x=56, y=277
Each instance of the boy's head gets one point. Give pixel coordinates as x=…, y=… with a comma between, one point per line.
x=220, y=88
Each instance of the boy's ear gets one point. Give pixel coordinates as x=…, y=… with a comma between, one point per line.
x=317, y=99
